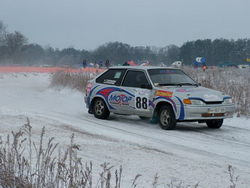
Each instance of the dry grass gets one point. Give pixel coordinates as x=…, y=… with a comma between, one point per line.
x=26, y=164
x=71, y=80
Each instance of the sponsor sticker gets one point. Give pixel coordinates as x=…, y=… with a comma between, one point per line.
x=142, y=92
x=109, y=82
x=120, y=99
x=210, y=96
x=163, y=93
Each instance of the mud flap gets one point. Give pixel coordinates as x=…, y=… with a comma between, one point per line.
x=154, y=120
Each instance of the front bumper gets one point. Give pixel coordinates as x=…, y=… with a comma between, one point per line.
x=208, y=112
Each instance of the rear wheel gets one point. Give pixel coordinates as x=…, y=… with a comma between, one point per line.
x=215, y=124
x=100, y=109
x=167, y=118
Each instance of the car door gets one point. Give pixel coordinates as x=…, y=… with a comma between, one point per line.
x=136, y=84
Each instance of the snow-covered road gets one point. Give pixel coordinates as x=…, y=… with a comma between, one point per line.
x=191, y=153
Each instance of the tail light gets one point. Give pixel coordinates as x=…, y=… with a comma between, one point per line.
x=88, y=88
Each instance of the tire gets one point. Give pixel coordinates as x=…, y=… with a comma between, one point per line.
x=215, y=124
x=167, y=118
x=100, y=109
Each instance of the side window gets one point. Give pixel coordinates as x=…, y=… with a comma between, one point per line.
x=111, y=77
x=135, y=79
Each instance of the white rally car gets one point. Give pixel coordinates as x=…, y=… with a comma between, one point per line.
x=166, y=95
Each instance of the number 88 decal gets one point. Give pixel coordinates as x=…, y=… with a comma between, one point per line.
x=141, y=103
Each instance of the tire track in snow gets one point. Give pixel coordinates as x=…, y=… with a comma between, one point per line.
x=180, y=147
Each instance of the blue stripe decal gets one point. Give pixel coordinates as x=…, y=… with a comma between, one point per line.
x=182, y=113
x=170, y=100
x=226, y=98
x=151, y=103
x=88, y=99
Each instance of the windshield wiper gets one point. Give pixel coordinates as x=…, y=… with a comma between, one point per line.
x=168, y=84
x=179, y=84
x=188, y=84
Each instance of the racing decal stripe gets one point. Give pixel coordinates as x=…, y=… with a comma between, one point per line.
x=226, y=98
x=105, y=93
x=90, y=93
x=182, y=113
x=151, y=103
x=170, y=100
x=197, y=98
x=129, y=93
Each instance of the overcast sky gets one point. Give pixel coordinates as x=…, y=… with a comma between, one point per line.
x=87, y=24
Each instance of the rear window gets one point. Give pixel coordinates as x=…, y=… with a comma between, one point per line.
x=111, y=77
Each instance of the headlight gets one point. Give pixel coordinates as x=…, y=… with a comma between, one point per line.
x=197, y=102
x=228, y=101
x=193, y=101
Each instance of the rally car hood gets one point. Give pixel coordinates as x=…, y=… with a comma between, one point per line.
x=202, y=93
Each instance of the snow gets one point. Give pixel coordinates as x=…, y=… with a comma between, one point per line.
x=191, y=153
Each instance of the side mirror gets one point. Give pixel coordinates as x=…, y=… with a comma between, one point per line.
x=146, y=86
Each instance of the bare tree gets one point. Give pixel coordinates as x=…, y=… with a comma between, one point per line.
x=173, y=53
x=13, y=43
x=2, y=32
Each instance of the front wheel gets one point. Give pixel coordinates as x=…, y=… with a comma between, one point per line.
x=100, y=109
x=215, y=124
x=167, y=118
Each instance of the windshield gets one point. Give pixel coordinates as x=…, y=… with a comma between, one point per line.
x=168, y=77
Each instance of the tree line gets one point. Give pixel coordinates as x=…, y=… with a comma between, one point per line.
x=16, y=50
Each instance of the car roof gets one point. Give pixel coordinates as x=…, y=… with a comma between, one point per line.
x=141, y=67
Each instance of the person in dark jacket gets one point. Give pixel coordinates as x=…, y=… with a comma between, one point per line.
x=107, y=63
x=100, y=63
x=84, y=63
x=125, y=64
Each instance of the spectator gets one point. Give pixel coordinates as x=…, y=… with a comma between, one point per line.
x=100, y=64
x=84, y=63
x=107, y=63
x=125, y=64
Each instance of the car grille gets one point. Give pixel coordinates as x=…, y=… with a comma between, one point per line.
x=213, y=102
